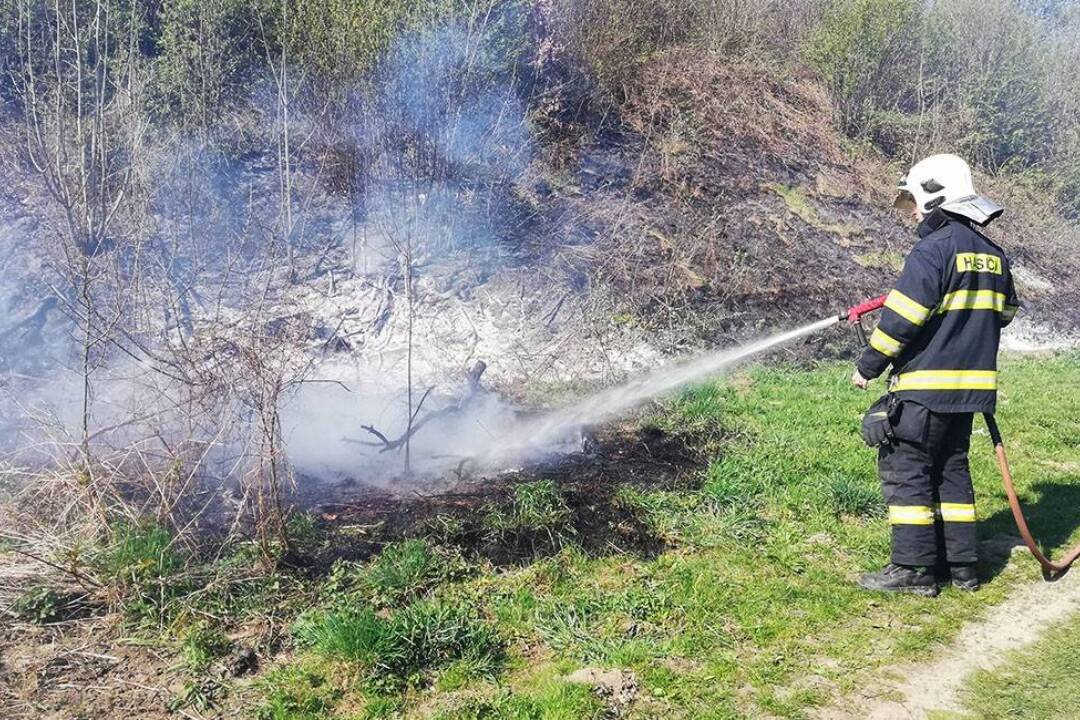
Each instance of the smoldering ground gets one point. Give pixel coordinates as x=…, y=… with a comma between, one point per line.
x=312, y=273
x=322, y=307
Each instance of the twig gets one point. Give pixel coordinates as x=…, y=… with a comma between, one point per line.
x=70, y=571
x=307, y=381
x=371, y=429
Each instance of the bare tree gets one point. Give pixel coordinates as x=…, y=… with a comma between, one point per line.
x=79, y=84
x=443, y=136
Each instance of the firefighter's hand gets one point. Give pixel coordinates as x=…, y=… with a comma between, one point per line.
x=858, y=380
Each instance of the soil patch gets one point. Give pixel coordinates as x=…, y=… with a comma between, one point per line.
x=617, y=687
x=70, y=670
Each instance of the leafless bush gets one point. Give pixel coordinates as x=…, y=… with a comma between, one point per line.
x=80, y=91
x=151, y=281
x=269, y=364
x=613, y=40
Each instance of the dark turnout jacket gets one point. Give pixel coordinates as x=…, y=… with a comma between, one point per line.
x=941, y=325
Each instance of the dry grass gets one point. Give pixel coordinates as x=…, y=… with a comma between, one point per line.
x=719, y=104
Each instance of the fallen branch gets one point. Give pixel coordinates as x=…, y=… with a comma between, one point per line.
x=385, y=444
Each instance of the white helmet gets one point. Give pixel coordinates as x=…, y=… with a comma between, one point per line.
x=944, y=181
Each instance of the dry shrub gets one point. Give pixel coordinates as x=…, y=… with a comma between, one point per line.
x=776, y=27
x=699, y=111
x=749, y=195
x=613, y=40
x=610, y=38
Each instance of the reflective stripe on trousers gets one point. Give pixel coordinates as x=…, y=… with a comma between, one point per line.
x=927, y=487
x=925, y=515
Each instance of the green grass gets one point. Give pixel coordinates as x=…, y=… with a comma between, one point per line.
x=753, y=609
x=202, y=645
x=137, y=552
x=396, y=651
x=141, y=564
x=404, y=571
x=1041, y=682
x=555, y=701
x=297, y=693
x=534, y=507
x=162, y=589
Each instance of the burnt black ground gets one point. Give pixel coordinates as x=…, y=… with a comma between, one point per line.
x=588, y=482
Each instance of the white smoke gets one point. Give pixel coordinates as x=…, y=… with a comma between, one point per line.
x=205, y=284
x=445, y=140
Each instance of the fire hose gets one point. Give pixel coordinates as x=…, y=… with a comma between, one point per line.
x=1051, y=569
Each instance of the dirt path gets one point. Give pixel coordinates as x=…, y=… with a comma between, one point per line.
x=981, y=645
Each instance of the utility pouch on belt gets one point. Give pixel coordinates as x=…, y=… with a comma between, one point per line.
x=909, y=421
x=877, y=424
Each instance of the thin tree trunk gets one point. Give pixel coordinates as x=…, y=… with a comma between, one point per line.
x=409, y=354
x=87, y=342
x=286, y=161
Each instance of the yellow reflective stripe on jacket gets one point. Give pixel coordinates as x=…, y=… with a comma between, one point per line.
x=957, y=512
x=972, y=300
x=945, y=380
x=907, y=308
x=1009, y=312
x=884, y=343
x=911, y=515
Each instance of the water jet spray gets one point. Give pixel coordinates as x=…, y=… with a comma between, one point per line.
x=530, y=438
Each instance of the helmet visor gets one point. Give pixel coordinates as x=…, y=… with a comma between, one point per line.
x=904, y=200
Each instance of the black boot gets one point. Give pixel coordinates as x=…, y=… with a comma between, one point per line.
x=942, y=576
x=964, y=577
x=901, y=579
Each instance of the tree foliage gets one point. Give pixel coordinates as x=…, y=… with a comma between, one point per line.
x=989, y=80
x=868, y=52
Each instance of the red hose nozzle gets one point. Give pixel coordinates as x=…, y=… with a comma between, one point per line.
x=855, y=312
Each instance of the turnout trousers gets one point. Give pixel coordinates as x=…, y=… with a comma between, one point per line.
x=927, y=487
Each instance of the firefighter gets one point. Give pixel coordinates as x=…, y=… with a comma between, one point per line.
x=939, y=331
